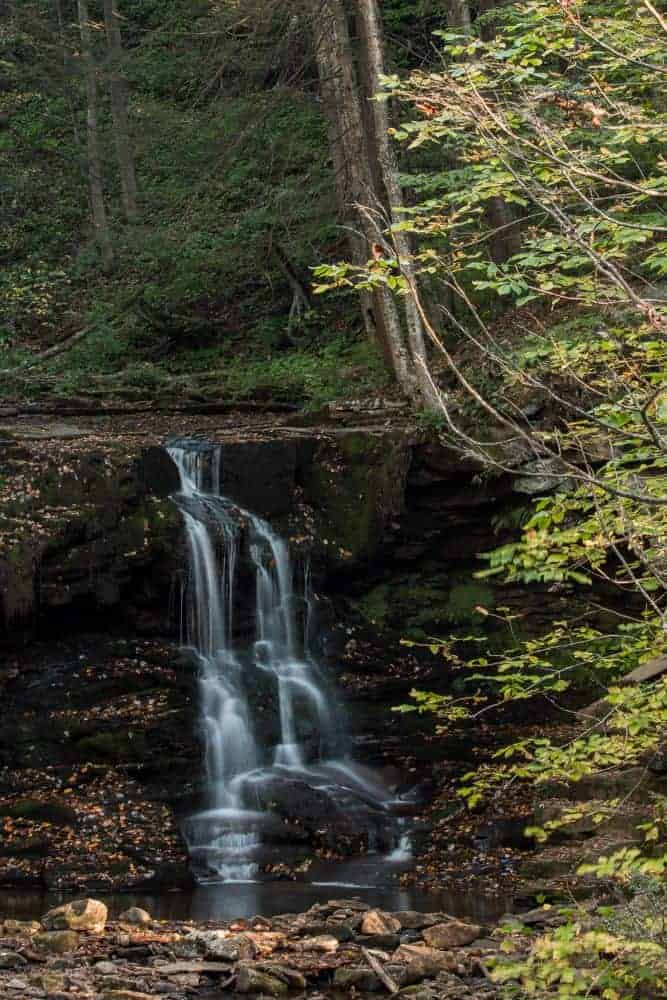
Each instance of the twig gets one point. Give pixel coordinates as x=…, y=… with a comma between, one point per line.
x=386, y=980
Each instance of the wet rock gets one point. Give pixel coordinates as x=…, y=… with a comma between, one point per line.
x=56, y=942
x=135, y=915
x=359, y=978
x=250, y=979
x=80, y=915
x=10, y=960
x=379, y=922
x=452, y=934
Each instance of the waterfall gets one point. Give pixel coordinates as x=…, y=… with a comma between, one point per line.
x=249, y=763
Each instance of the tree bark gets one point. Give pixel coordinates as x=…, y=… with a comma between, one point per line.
x=374, y=52
x=460, y=16
x=119, y=99
x=98, y=210
x=354, y=177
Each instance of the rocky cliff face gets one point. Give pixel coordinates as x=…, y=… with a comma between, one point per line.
x=87, y=527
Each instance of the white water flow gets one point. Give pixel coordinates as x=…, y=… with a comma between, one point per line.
x=244, y=753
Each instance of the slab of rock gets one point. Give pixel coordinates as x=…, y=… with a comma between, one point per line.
x=360, y=978
x=379, y=922
x=56, y=942
x=135, y=916
x=79, y=915
x=452, y=934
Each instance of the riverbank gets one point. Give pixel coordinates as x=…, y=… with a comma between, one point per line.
x=342, y=947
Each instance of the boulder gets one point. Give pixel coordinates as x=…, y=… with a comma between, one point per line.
x=452, y=934
x=56, y=942
x=79, y=915
x=379, y=922
x=136, y=916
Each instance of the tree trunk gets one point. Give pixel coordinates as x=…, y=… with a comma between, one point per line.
x=459, y=15
x=354, y=177
x=98, y=210
x=374, y=52
x=119, y=98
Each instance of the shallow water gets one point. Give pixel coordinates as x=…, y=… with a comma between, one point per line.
x=236, y=900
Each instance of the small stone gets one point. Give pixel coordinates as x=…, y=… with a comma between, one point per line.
x=79, y=915
x=379, y=922
x=56, y=942
x=136, y=916
x=453, y=934
x=10, y=960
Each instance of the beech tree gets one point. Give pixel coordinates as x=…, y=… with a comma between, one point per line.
x=367, y=182
x=119, y=103
x=95, y=182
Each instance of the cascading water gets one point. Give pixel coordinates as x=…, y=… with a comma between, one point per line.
x=248, y=765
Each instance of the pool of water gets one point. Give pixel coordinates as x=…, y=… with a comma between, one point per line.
x=237, y=900
x=371, y=878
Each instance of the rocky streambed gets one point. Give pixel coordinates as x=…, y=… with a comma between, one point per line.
x=338, y=948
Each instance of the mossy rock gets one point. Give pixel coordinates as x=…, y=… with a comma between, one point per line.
x=356, y=484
